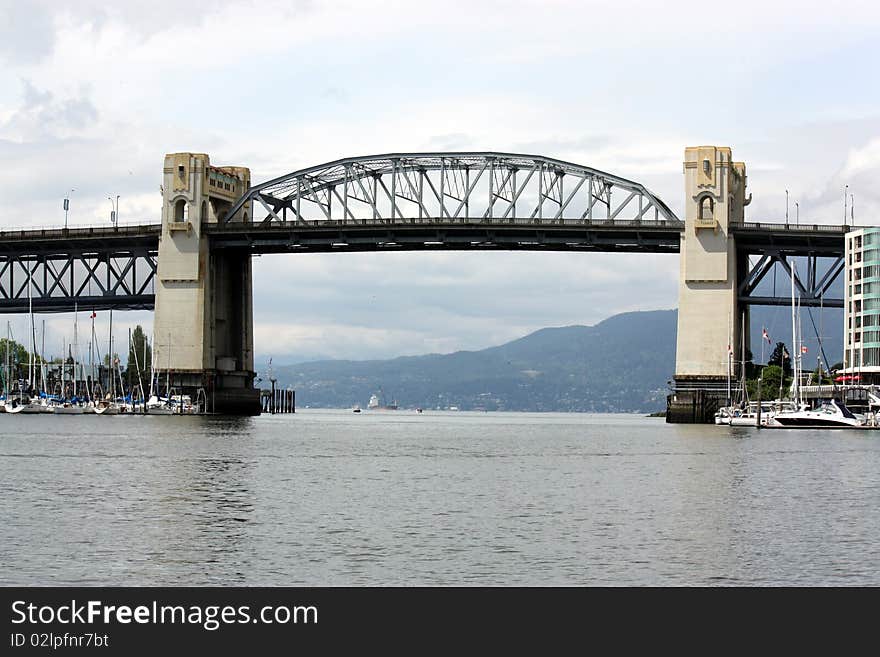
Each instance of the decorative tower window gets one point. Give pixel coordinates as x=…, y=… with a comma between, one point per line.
x=707, y=208
x=180, y=211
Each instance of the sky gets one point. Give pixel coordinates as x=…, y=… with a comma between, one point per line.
x=93, y=94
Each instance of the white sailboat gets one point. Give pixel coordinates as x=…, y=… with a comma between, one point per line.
x=830, y=414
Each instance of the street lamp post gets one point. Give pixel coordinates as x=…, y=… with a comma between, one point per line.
x=114, y=213
x=845, y=192
x=786, y=208
x=797, y=214
x=67, y=205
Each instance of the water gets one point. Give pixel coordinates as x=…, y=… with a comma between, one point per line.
x=335, y=498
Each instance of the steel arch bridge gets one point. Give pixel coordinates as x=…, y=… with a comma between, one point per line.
x=402, y=201
x=453, y=187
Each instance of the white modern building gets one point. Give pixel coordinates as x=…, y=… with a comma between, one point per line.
x=861, y=315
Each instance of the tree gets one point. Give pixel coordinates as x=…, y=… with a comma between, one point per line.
x=770, y=383
x=781, y=357
x=19, y=361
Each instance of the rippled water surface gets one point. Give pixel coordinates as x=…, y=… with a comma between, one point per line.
x=335, y=498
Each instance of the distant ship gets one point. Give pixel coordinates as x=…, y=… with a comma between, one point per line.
x=378, y=404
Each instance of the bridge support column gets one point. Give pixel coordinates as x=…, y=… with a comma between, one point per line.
x=203, y=342
x=708, y=313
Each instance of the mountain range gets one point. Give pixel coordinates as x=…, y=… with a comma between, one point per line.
x=620, y=364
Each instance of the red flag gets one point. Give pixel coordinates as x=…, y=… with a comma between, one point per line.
x=93, y=315
x=765, y=335
x=804, y=349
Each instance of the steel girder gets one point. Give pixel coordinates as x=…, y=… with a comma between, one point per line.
x=97, y=280
x=452, y=187
x=811, y=286
x=338, y=236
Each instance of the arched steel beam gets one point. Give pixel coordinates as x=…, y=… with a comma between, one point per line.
x=452, y=187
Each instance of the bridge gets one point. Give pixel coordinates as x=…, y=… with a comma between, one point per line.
x=193, y=266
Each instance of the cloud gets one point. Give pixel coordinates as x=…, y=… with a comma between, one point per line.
x=42, y=115
x=93, y=94
x=27, y=34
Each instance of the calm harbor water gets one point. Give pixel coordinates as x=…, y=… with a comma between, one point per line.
x=335, y=498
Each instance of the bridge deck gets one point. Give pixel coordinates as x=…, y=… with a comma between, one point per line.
x=431, y=233
x=104, y=267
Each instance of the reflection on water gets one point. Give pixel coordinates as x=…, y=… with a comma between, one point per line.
x=333, y=498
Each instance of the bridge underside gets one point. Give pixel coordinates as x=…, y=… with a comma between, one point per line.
x=424, y=234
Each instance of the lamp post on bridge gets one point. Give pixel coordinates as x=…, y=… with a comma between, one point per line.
x=797, y=214
x=114, y=213
x=67, y=205
x=786, y=208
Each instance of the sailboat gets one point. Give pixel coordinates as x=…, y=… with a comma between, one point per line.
x=26, y=403
x=162, y=405
x=831, y=413
x=71, y=406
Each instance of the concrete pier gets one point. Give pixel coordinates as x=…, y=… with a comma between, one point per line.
x=203, y=325
x=708, y=313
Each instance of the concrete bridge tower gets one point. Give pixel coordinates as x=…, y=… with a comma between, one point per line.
x=709, y=316
x=203, y=324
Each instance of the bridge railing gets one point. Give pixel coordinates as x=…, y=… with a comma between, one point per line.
x=810, y=228
x=437, y=221
x=37, y=232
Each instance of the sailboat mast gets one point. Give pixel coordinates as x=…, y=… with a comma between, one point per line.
x=75, y=346
x=729, y=356
x=152, y=376
x=31, y=378
x=133, y=350
x=112, y=376
x=43, y=365
x=168, y=371
x=92, y=357
x=6, y=377
x=794, y=383
x=742, y=339
x=144, y=361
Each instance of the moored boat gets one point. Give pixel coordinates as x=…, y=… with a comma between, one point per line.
x=830, y=414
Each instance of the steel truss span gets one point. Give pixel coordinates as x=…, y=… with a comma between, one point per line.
x=813, y=286
x=122, y=279
x=453, y=187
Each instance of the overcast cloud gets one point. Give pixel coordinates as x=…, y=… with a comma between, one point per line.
x=94, y=94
